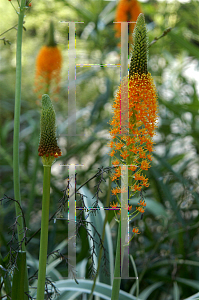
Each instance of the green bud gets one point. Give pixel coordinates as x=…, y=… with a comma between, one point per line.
x=50, y=36
x=48, y=148
x=140, y=48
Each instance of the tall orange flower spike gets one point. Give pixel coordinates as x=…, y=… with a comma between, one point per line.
x=135, y=148
x=127, y=11
x=48, y=67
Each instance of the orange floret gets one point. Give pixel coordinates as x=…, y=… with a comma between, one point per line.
x=140, y=209
x=136, y=230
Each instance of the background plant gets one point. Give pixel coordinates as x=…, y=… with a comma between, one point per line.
x=166, y=253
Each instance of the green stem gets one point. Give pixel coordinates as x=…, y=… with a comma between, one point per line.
x=119, y=260
x=16, y=175
x=44, y=233
x=117, y=281
x=19, y=277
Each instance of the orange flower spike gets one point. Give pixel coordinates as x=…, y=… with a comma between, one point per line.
x=48, y=66
x=135, y=149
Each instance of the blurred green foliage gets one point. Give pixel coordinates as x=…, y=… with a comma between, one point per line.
x=166, y=253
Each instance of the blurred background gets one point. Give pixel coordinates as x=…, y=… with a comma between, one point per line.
x=166, y=253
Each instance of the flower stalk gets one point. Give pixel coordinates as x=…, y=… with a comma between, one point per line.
x=22, y=277
x=16, y=174
x=44, y=233
x=49, y=151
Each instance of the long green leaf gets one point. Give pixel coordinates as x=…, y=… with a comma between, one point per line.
x=193, y=297
x=163, y=187
x=189, y=282
x=136, y=284
x=177, y=175
x=166, y=262
x=18, y=283
x=102, y=290
x=70, y=295
x=4, y=274
x=178, y=38
x=176, y=291
x=147, y=292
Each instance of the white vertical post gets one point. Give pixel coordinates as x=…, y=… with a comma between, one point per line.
x=72, y=220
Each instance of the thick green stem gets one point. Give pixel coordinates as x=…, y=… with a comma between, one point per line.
x=117, y=281
x=119, y=259
x=19, y=278
x=16, y=175
x=44, y=233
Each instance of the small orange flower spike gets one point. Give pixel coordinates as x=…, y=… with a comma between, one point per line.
x=127, y=11
x=48, y=66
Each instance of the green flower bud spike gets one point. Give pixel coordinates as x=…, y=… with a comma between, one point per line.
x=50, y=37
x=48, y=148
x=140, y=48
